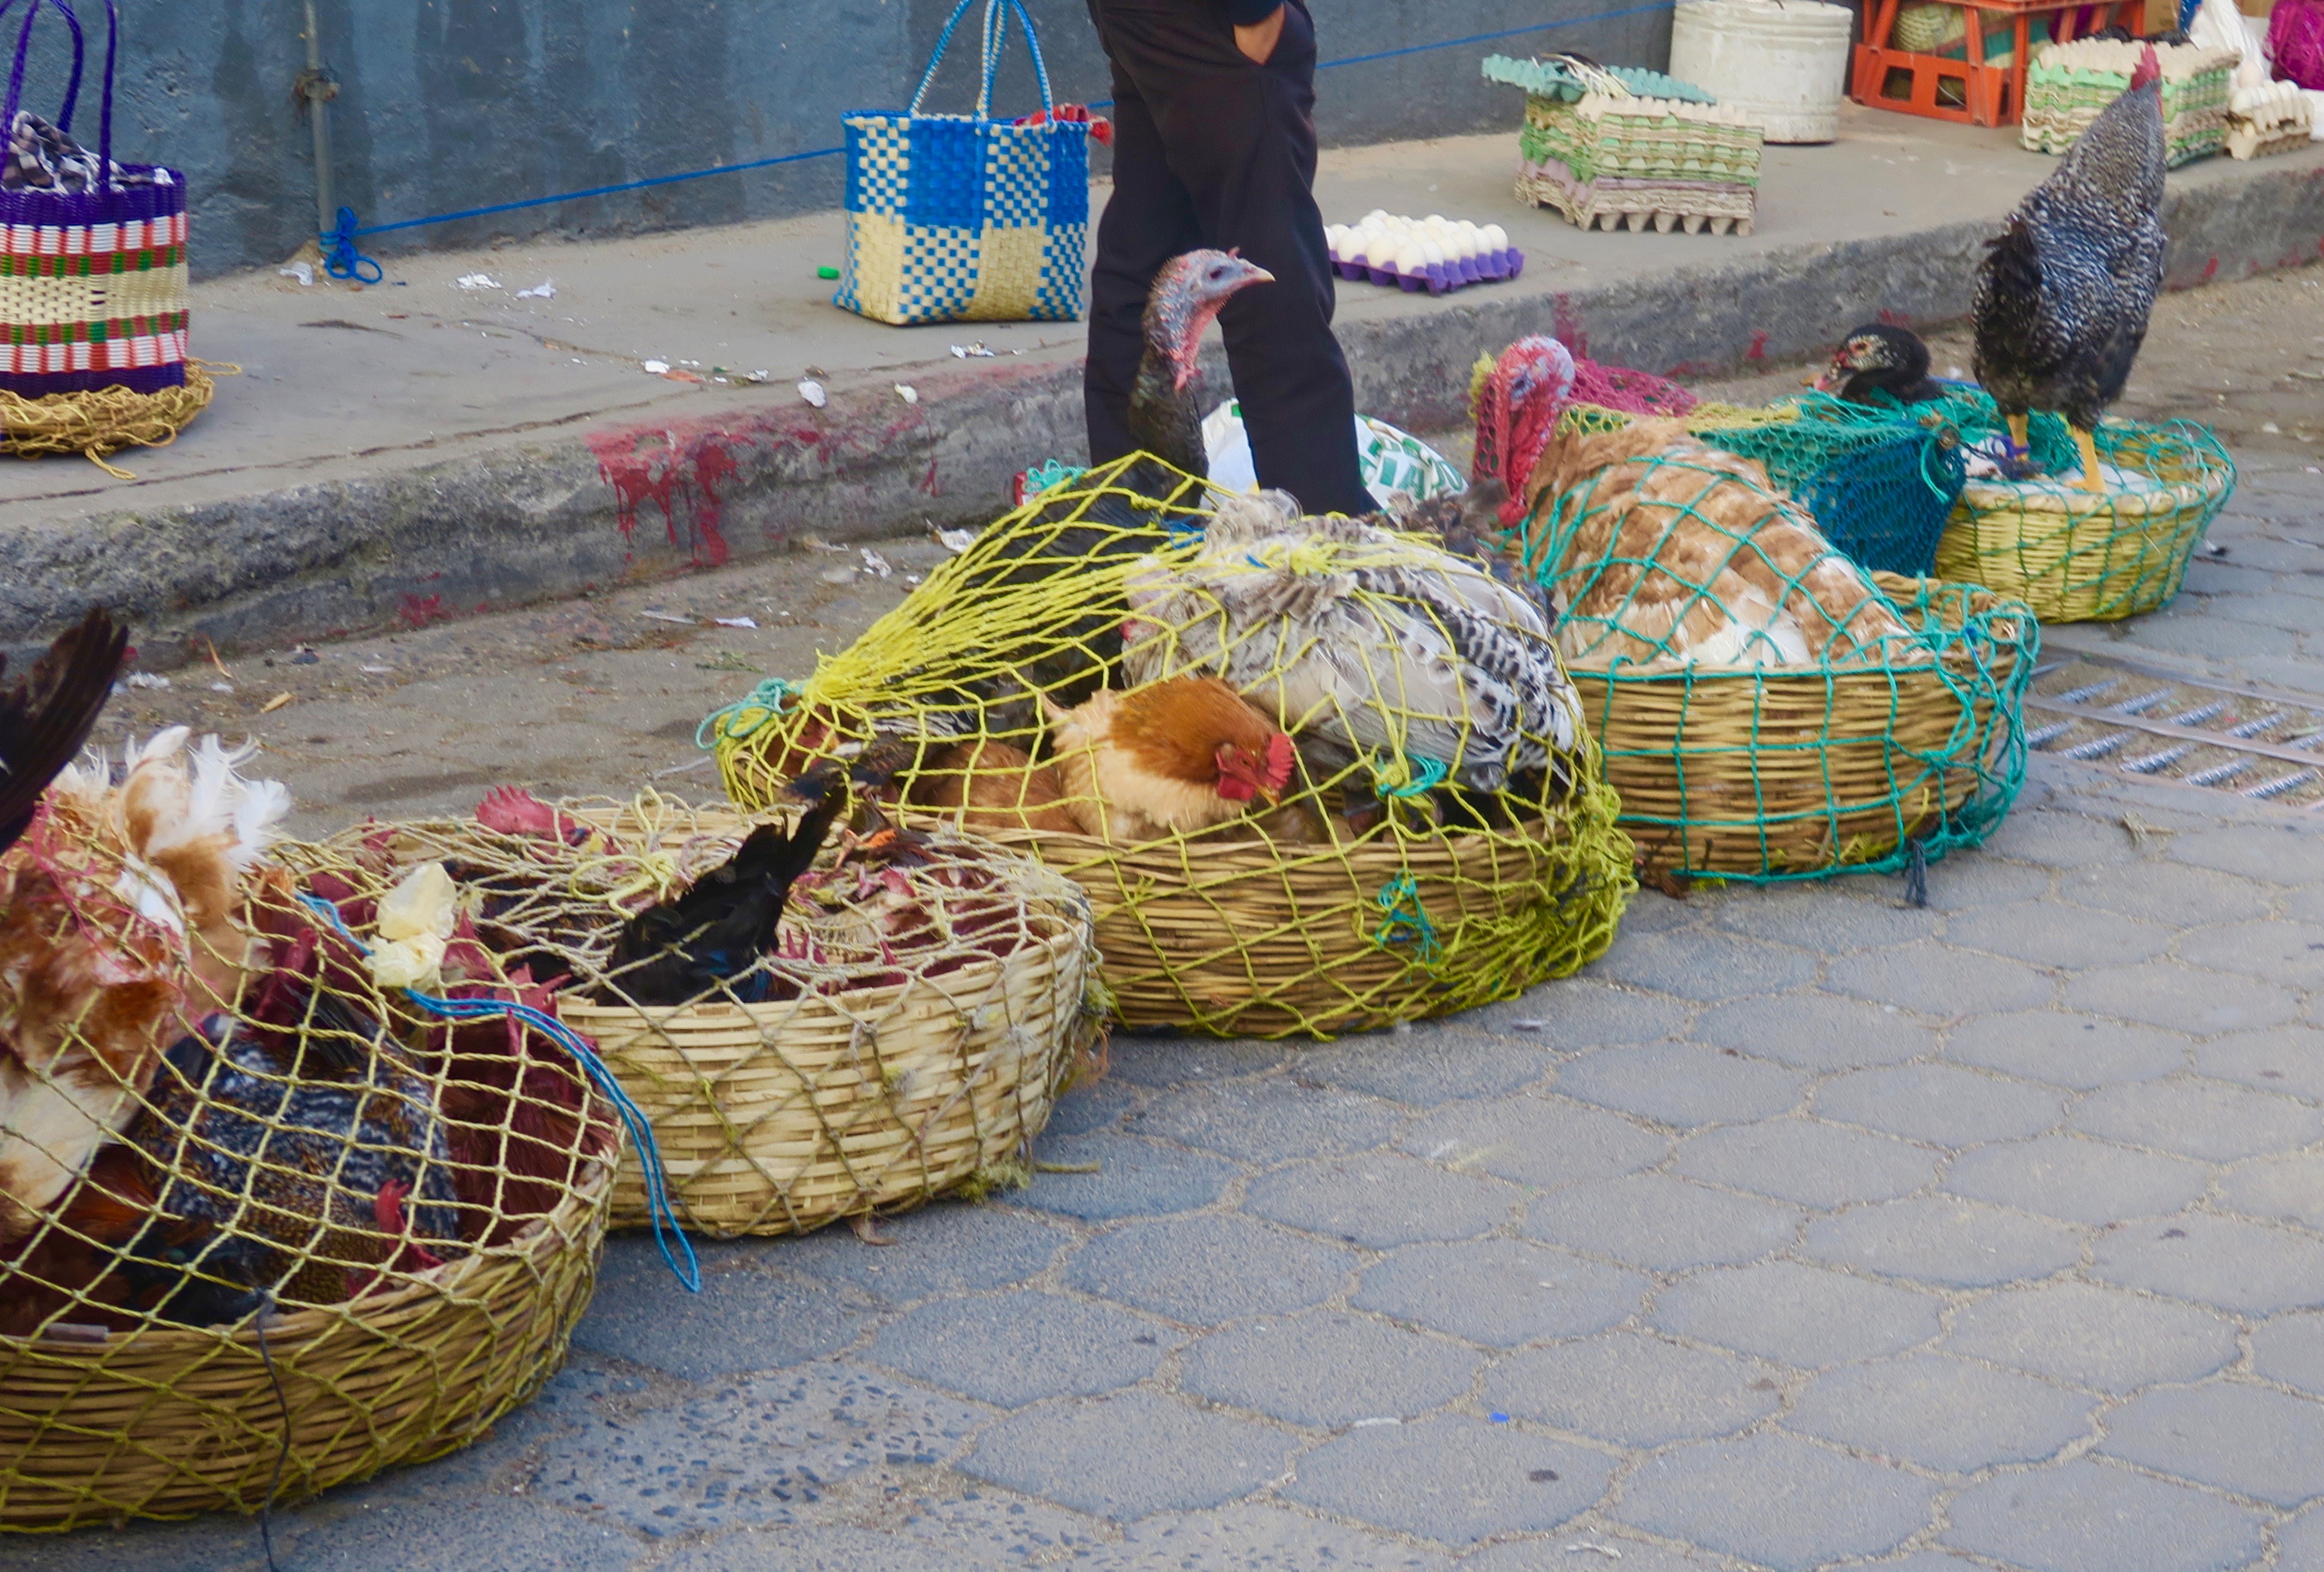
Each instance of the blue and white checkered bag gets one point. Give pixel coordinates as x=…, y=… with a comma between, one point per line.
x=961, y=218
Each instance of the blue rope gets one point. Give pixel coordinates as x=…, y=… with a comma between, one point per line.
x=1412, y=928
x=771, y=697
x=657, y=1207
x=341, y=259
x=349, y=232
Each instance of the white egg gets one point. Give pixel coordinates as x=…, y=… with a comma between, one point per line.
x=1433, y=218
x=1431, y=253
x=1496, y=237
x=1375, y=216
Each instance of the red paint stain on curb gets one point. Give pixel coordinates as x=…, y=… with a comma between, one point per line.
x=1758, y=350
x=416, y=613
x=676, y=469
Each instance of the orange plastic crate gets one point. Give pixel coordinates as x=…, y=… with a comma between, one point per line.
x=1968, y=90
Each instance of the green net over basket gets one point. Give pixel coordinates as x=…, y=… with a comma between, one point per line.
x=1880, y=480
x=1435, y=843
x=2075, y=556
x=305, y=1230
x=1768, y=709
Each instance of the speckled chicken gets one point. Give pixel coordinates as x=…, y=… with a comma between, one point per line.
x=2063, y=294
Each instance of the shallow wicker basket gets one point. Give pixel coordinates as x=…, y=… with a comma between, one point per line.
x=1764, y=774
x=886, y=1084
x=2078, y=557
x=110, y=1409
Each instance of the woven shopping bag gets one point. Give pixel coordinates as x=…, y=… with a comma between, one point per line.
x=92, y=281
x=962, y=217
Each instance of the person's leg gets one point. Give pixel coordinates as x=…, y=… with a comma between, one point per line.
x=1149, y=219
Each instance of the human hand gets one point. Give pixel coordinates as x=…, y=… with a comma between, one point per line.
x=1258, y=40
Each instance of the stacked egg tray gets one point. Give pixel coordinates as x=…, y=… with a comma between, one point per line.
x=2276, y=118
x=2069, y=84
x=1360, y=251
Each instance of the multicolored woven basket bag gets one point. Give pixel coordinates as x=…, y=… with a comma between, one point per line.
x=93, y=278
x=962, y=217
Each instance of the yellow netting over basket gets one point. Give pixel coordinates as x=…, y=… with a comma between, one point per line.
x=2075, y=556
x=909, y=1039
x=1443, y=838
x=269, y=1228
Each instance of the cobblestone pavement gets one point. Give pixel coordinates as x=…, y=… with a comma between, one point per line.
x=1807, y=1229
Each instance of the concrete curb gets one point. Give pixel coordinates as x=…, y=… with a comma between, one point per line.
x=559, y=512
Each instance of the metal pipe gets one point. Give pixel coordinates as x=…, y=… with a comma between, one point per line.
x=316, y=87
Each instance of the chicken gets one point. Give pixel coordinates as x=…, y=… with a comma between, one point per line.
x=121, y=925
x=1174, y=756
x=2064, y=291
x=1879, y=362
x=1366, y=644
x=716, y=932
x=45, y=718
x=1669, y=553
x=989, y=785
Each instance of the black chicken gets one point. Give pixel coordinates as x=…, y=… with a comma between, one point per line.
x=719, y=929
x=46, y=717
x=2064, y=293
x=1879, y=359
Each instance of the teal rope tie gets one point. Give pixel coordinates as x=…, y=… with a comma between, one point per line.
x=1402, y=926
x=770, y=698
x=1420, y=776
x=1049, y=476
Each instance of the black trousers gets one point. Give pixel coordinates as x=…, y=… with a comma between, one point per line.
x=1212, y=150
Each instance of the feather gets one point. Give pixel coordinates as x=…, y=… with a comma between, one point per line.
x=45, y=718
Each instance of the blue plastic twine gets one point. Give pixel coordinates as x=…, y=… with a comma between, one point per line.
x=1426, y=776
x=657, y=1207
x=770, y=698
x=341, y=259
x=1403, y=928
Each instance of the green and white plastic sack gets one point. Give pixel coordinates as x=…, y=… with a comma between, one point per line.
x=1390, y=460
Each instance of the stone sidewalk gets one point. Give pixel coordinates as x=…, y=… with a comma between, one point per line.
x=1806, y=1230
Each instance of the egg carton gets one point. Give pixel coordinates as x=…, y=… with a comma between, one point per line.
x=2069, y=84
x=1570, y=81
x=1642, y=139
x=1353, y=246
x=2272, y=117
x=1690, y=206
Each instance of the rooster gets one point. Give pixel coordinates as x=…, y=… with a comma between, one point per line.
x=1879, y=362
x=1366, y=644
x=121, y=925
x=716, y=932
x=1174, y=756
x=1669, y=553
x=2065, y=290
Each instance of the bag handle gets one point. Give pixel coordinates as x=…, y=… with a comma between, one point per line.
x=995, y=24
x=72, y=90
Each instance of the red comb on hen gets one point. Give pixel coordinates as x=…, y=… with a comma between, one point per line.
x=2150, y=68
x=1280, y=758
x=513, y=811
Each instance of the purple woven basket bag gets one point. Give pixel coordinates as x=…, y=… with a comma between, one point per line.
x=92, y=283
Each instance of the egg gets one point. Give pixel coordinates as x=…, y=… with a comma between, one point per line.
x=1496, y=237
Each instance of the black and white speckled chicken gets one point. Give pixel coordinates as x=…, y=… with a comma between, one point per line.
x=2063, y=295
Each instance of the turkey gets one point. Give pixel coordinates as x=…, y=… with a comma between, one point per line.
x=2064, y=291
x=1367, y=644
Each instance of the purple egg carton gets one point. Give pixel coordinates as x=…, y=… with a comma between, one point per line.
x=1489, y=268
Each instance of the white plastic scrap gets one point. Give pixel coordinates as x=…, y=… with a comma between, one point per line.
x=736, y=622
x=654, y=368
x=971, y=351
x=146, y=679
x=544, y=290
x=908, y=394
x=302, y=272
x=479, y=282
x=875, y=562
x=757, y=376
x=812, y=391
x=956, y=540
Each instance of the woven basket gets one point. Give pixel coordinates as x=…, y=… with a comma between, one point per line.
x=2080, y=556
x=112, y=1407
x=859, y=1094
x=1768, y=775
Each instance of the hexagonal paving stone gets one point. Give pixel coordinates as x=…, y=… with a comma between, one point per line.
x=1941, y=1103
x=1675, y=1083
x=1452, y=1480
x=2077, y=1178
x=1094, y=1107
x=1633, y=1390
x=2289, y=1189
x=1941, y=1413
x=2066, y=1049
x=1014, y=1348
x=1534, y=1140
x=1807, y=1161
x=1705, y=967
x=1939, y=981
x=945, y=1247
x=1500, y=1291
x=1819, y=917
x=1273, y=1121
x=2094, y=1337
x=2291, y=953
x=1427, y=1065
x=2288, y=1059
x=2163, y=993
x=2060, y=839
x=2291, y=1349
x=2302, y=1542
x=1382, y=1200
x=2232, y=1435
x=2181, y=896
x=1537, y=1554
x=1261, y=1539
x=1977, y=883
x=1133, y=1178
x=744, y=1318
x=1661, y=1222
x=2086, y=1517
x=1800, y=1315
x=2222, y=1261
x=1951, y=1243
x=1776, y=1500
x=1175, y=1061
x=1324, y=1370
x=1579, y=1013
x=2272, y=853
x=1815, y=1031
x=1126, y=1456
x=1208, y=1271
x=2032, y=932
x=819, y=1547
x=2207, y=1119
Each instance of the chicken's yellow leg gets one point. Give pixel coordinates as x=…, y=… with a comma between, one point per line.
x=2092, y=480
x=2017, y=433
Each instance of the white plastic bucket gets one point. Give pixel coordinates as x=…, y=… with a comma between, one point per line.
x=1784, y=64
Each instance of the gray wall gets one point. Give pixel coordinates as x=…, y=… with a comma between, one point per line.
x=456, y=104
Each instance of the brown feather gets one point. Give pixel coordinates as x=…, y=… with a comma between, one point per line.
x=995, y=785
